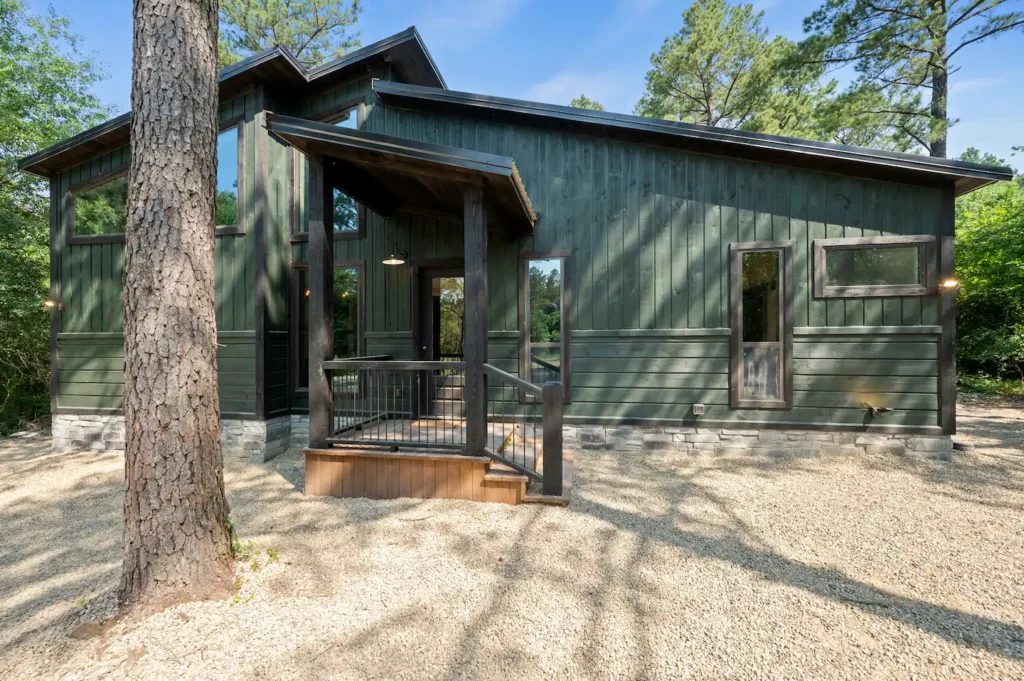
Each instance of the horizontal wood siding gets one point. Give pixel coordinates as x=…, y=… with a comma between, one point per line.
x=92, y=371
x=90, y=368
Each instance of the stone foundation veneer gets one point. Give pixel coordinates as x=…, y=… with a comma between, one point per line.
x=263, y=440
x=257, y=441
x=792, y=443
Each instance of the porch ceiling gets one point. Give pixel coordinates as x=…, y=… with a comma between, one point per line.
x=389, y=174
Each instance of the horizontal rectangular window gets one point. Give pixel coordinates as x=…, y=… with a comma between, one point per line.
x=102, y=208
x=871, y=267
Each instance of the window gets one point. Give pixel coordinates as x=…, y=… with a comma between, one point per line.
x=872, y=267
x=99, y=210
x=544, y=310
x=348, y=322
x=761, y=293
x=346, y=211
x=227, y=177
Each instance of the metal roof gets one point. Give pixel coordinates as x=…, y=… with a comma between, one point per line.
x=844, y=159
x=404, y=51
x=389, y=174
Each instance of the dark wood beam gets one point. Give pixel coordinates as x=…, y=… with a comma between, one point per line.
x=321, y=313
x=475, y=349
x=947, y=314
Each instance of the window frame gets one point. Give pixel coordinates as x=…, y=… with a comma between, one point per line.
x=73, y=239
x=565, y=312
x=225, y=125
x=296, y=300
x=927, y=267
x=330, y=116
x=786, y=315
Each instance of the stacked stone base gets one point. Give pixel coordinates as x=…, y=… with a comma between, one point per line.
x=257, y=441
x=726, y=441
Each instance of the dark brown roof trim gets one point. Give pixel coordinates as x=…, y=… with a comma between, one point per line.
x=773, y=148
x=283, y=62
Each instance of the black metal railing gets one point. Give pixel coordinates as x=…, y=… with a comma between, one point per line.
x=542, y=371
x=383, y=402
x=524, y=424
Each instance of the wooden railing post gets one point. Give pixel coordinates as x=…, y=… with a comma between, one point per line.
x=475, y=302
x=552, y=401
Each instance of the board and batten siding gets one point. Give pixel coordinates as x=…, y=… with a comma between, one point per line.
x=649, y=232
x=90, y=339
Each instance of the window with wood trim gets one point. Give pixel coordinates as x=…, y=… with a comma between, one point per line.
x=874, y=267
x=544, y=304
x=348, y=316
x=97, y=210
x=229, y=177
x=348, y=217
x=761, y=321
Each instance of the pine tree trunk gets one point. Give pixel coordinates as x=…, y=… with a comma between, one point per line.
x=176, y=546
x=940, y=92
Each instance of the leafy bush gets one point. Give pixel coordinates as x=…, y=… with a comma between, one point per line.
x=990, y=266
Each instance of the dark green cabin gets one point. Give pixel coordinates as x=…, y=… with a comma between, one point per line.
x=693, y=276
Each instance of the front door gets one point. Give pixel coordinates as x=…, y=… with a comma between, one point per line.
x=441, y=314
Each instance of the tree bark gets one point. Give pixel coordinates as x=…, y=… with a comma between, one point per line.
x=176, y=544
x=940, y=93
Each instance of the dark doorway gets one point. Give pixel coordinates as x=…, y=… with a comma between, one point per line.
x=441, y=314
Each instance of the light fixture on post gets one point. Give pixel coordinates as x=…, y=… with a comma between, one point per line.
x=52, y=305
x=397, y=257
x=950, y=284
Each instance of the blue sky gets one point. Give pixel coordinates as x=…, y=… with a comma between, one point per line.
x=552, y=50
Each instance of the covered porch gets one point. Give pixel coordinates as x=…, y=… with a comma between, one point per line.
x=377, y=409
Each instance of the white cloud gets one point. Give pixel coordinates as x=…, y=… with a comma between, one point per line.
x=973, y=84
x=611, y=88
x=465, y=22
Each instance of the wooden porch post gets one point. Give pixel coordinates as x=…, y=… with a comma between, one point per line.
x=321, y=312
x=475, y=349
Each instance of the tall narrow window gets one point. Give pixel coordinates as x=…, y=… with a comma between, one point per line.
x=544, y=336
x=346, y=211
x=347, y=318
x=761, y=292
x=227, y=177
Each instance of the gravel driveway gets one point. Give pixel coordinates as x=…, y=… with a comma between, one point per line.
x=663, y=566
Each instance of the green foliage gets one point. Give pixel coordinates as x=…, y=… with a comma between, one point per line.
x=227, y=208
x=990, y=267
x=545, y=305
x=453, y=315
x=723, y=69
x=44, y=98
x=988, y=385
x=346, y=216
x=716, y=70
x=313, y=30
x=901, y=50
x=103, y=209
x=582, y=102
x=346, y=313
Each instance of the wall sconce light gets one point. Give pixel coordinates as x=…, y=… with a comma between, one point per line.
x=950, y=284
x=397, y=257
x=52, y=305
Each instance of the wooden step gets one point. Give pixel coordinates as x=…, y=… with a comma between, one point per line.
x=376, y=474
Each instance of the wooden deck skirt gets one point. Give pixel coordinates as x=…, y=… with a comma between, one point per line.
x=371, y=474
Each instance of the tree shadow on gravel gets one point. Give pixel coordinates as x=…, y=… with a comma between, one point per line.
x=61, y=541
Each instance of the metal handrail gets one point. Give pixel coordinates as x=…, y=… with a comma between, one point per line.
x=390, y=364
x=514, y=380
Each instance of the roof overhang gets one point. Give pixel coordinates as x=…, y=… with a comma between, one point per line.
x=390, y=174
x=403, y=52
x=837, y=158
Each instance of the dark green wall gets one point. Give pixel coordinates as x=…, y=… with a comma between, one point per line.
x=90, y=344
